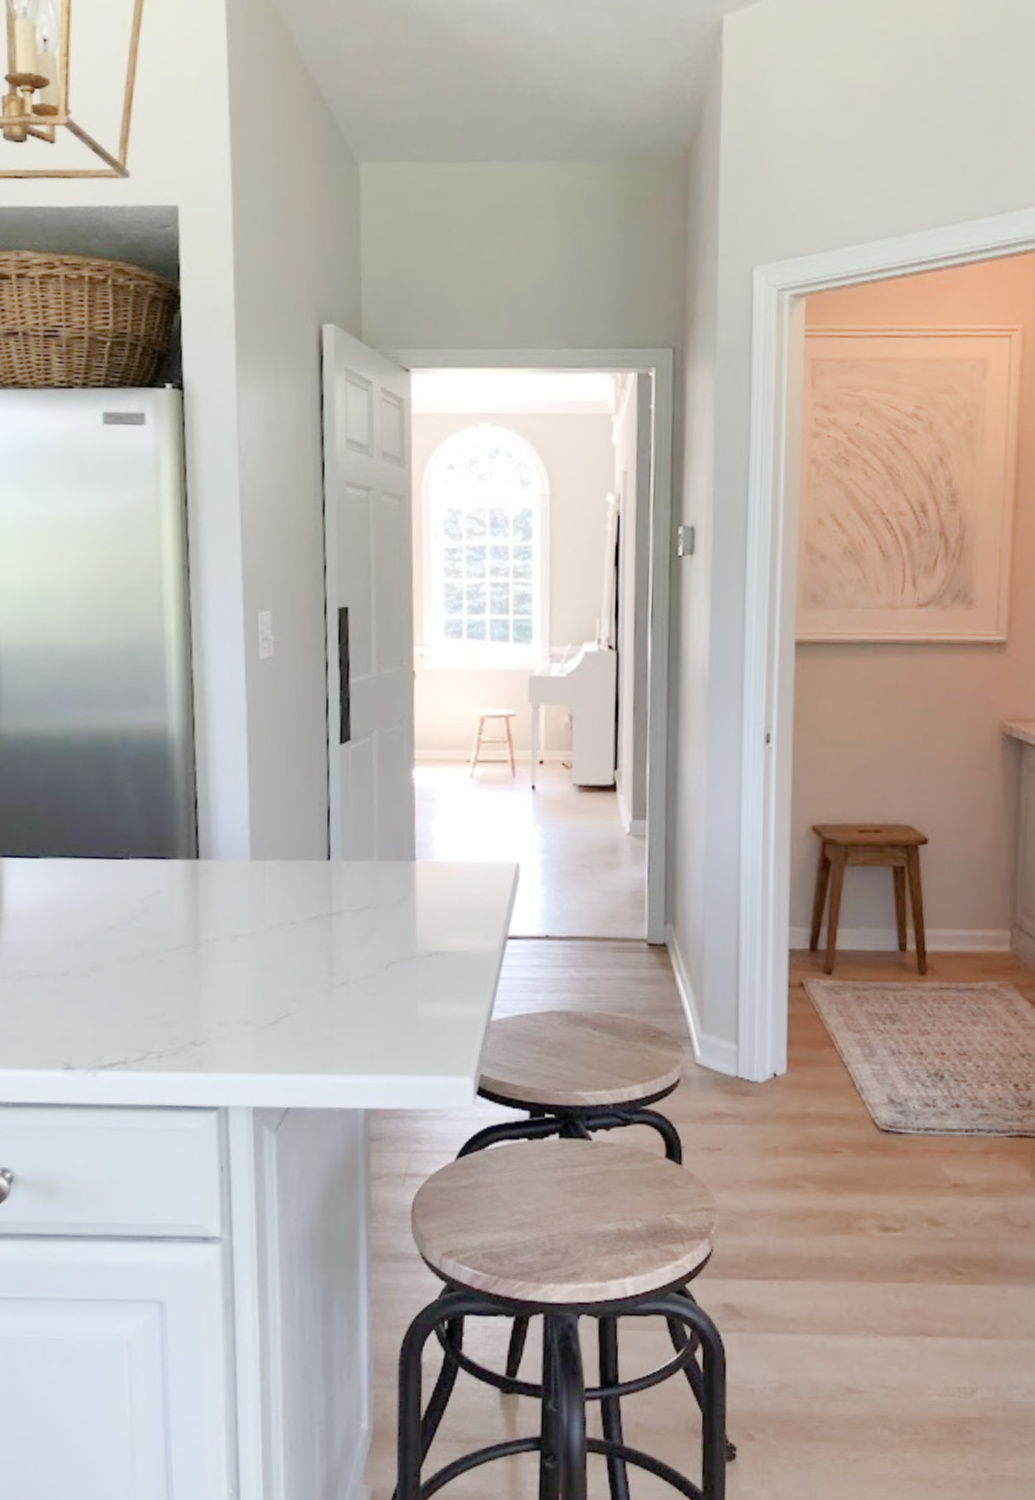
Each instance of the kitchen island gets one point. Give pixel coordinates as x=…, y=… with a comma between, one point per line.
x=187, y=1053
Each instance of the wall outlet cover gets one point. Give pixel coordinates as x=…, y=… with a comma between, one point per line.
x=265, y=634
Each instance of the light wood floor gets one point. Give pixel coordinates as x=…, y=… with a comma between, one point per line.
x=876, y=1292
x=582, y=875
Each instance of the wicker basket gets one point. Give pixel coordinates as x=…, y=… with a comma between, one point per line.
x=71, y=320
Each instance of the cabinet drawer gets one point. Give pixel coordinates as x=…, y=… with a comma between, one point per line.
x=141, y=1172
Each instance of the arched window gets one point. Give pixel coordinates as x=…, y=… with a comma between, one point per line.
x=485, y=496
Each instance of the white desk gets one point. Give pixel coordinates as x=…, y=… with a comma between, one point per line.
x=187, y=1052
x=588, y=685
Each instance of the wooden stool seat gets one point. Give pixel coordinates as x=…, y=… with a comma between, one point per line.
x=893, y=845
x=481, y=739
x=564, y=1222
x=574, y=1059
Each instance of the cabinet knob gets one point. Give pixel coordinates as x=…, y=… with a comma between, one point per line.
x=6, y=1179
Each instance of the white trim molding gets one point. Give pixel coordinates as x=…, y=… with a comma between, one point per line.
x=460, y=756
x=776, y=363
x=938, y=939
x=635, y=827
x=1023, y=944
x=712, y=1052
x=660, y=363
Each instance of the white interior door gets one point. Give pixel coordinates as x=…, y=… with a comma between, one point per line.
x=367, y=524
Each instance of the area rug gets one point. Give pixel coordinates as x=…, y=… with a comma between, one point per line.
x=935, y=1059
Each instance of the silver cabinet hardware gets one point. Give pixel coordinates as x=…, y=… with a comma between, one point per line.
x=6, y=1180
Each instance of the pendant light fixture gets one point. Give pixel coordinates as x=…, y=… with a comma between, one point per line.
x=40, y=71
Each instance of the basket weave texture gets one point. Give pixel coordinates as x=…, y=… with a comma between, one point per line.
x=72, y=320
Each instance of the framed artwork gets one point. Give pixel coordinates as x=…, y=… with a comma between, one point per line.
x=907, y=483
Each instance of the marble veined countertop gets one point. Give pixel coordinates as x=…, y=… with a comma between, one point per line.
x=1021, y=729
x=280, y=984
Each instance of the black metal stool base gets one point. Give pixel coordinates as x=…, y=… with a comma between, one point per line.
x=562, y=1443
x=575, y=1124
x=450, y=1336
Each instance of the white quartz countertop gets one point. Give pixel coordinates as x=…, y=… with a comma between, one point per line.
x=287, y=984
x=1021, y=729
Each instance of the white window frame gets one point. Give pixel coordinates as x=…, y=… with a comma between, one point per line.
x=434, y=650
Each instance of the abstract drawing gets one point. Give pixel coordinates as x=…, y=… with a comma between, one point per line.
x=907, y=484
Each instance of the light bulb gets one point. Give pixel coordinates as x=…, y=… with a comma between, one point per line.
x=48, y=42
x=23, y=13
x=47, y=25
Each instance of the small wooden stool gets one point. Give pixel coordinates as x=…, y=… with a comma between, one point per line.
x=569, y=1230
x=893, y=844
x=481, y=738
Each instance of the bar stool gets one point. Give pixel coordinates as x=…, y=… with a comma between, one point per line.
x=575, y=1072
x=487, y=715
x=568, y=1229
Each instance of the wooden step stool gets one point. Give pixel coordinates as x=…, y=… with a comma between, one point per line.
x=893, y=844
x=481, y=738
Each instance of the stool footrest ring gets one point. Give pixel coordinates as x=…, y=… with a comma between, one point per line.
x=599, y=1446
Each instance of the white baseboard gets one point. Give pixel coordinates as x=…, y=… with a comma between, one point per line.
x=1023, y=945
x=428, y=757
x=710, y=1051
x=356, y=1487
x=635, y=827
x=885, y=939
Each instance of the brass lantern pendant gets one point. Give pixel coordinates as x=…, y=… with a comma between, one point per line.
x=36, y=106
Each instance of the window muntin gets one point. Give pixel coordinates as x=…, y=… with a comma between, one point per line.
x=485, y=493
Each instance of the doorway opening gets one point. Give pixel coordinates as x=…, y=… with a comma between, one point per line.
x=871, y=716
x=541, y=500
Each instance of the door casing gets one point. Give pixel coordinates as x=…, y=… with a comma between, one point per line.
x=660, y=364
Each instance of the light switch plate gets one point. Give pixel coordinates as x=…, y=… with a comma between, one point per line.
x=265, y=634
x=685, y=540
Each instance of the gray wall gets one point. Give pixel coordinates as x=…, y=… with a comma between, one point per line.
x=296, y=265
x=840, y=124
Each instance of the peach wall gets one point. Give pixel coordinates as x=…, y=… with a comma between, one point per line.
x=911, y=733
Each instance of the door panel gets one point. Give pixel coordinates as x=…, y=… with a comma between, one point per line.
x=394, y=765
x=395, y=639
x=357, y=572
x=368, y=523
x=139, y=1328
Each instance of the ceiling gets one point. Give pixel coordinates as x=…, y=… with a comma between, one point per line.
x=509, y=80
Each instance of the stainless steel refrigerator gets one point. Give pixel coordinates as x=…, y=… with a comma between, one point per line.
x=96, y=734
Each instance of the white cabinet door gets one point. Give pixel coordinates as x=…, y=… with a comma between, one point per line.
x=1024, y=898
x=113, y=1384
x=368, y=527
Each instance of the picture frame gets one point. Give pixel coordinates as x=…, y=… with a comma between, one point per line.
x=908, y=475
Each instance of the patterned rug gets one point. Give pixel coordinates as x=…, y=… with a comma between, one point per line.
x=935, y=1059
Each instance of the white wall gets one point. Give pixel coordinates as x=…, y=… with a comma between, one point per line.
x=632, y=457
x=840, y=123
x=181, y=157
x=296, y=259
x=689, y=670
x=579, y=455
x=912, y=733
x=526, y=255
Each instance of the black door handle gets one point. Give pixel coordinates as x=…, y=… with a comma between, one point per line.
x=344, y=688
